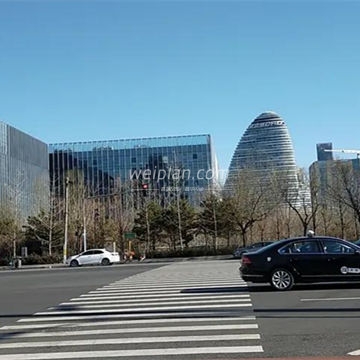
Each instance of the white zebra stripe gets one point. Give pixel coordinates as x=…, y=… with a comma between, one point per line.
x=193, y=307
x=118, y=322
x=147, y=297
x=116, y=304
x=122, y=341
x=128, y=353
x=212, y=327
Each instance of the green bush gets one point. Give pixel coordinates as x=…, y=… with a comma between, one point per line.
x=35, y=259
x=190, y=252
x=4, y=262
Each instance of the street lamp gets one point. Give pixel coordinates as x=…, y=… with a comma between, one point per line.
x=67, y=182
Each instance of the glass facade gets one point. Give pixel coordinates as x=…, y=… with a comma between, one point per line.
x=324, y=151
x=24, y=172
x=158, y=164
x=265, y=148
x=328, y=174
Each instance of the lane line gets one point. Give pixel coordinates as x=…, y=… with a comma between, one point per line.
x=166, y=315
x=332, y=299
x=129, y=299
x=150, y=283
x=354, y=353
x=137, y=330
x=115, y=304
x=194, y=307
x=173, y=285
x=121, y=322
x=137, y=340
x=128, y=353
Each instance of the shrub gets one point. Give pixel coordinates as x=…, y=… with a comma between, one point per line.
x=35, y=259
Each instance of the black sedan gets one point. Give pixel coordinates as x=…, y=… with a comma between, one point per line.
x=300, y=260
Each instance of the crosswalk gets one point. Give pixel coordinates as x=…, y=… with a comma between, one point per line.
x=186, y=309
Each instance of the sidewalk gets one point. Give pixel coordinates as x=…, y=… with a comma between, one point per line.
x=133, y=262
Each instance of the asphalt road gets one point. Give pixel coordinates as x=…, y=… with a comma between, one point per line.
x=309, y=321
x=24, y=292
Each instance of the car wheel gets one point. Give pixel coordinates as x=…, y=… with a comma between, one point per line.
x=282, y=279
x=74, y=263
x=105, y=261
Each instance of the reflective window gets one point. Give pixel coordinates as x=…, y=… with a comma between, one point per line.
x=337, y=247
x=97, y=252
x=301, y=247
x=90, y=252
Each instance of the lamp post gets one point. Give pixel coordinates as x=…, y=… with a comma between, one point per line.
x=67, y=182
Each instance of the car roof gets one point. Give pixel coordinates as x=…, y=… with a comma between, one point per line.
x=95, y=249
x=281, y=242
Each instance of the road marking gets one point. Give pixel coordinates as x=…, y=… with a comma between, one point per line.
x=150, y=316
x=139, y=340
x=153, y=310
x=138, y=299
x=178, y=307
x=128, y=353
x=332, y=299
x=151, y=285
x=118, y=322
x=116, y=304
x=136, y=288
x=177, y=296
x=137, y=330
x=354, y=353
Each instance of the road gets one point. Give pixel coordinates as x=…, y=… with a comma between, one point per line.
x=24, y=292
x=310, y=320
x=182, y=310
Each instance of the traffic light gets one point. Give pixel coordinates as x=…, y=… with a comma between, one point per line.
x=145, y=188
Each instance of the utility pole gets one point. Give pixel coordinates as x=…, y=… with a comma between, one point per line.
x=147, y=228
x=215, y=221
x=177, y=189
x=67, y=181
x=84, y=226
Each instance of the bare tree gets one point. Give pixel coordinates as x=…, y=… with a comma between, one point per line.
x=251, y=201
x=299, y=199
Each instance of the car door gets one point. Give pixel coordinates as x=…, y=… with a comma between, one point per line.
x=306, y=258
x=85, y=258
x=97, y=256
x=343, y=260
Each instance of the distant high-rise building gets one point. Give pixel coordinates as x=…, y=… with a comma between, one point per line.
x=266, y=149
x=325, y=172
x=324, y=151
x=162, y=165
x=24, y=172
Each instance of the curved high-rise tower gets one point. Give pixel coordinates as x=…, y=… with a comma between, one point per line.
x=266, y=149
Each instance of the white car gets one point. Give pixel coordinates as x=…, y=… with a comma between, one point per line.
x=94, y=257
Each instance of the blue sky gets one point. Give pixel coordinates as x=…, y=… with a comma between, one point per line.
x=100, y=70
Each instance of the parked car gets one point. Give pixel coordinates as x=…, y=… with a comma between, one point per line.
x=255, y=246
x=94, y=257
x=304, y=259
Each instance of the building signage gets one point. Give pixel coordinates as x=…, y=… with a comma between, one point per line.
x=267, y=124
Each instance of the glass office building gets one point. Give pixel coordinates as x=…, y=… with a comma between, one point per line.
x=158, y=166
x=265, y=148
x=24, y=174
x=328, y=173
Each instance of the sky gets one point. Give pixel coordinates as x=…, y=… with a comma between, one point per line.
x=84, y=70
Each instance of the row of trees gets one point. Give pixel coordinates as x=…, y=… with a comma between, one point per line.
x=255, y=210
